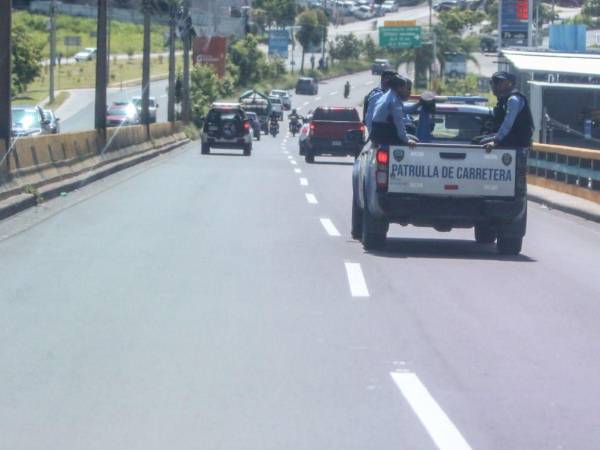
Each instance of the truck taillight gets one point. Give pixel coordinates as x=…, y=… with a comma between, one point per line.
x=311, y=129
x=381, y=174
x=362, y=128
x=246, y=126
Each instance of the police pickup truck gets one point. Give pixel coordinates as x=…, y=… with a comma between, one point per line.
x=444, y=182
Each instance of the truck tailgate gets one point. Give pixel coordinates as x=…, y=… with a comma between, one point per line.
x=456, y=171
x=324, y=129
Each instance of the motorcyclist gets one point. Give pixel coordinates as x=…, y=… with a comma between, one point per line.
x=347, y=89
x=294, y=118
x=273, y=122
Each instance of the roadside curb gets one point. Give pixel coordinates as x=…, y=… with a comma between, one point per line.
x=24, y=201
x=579, y=212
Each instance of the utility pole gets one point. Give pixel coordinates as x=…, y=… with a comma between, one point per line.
x=530, y=24
x=171, y=92
x=101, y=78
x=185, y=100
x=5, y=80
x=146, y=63
x=52, y=49
x=324, y=31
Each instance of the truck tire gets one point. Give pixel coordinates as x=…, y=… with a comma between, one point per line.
x=484, y=234
x=309, y=157
x=205, y=149
x=357, y=221
x=373, y=231
x=509, y=245
x=247, y=150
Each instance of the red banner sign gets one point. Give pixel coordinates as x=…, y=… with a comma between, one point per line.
x=210, y=51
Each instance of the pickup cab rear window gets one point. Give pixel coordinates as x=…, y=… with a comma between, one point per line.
x=336, y=115
x=460, y=127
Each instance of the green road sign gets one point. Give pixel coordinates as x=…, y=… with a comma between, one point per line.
x=399, y=37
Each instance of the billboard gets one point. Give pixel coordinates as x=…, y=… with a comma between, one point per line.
x=210, y=50
x=278, y=43
x=514, y=16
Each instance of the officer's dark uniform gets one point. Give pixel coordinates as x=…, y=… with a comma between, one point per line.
x=521, y=132
x=388, y=117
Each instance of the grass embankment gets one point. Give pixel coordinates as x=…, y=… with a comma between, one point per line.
x=125, y=37
x=83, y=75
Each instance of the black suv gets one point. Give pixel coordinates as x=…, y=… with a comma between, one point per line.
x=307, y=86
x=227, y=126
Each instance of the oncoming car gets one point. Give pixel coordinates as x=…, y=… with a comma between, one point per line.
x=122, y=113
x=445, y=182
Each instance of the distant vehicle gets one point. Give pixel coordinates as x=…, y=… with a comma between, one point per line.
x=307, y=86
x=285, y=97
x=330, y=133
x=53, y=125
x=276, y=106
x=389, y=6
x=137, y=101
x=87, y=54
x=227, y=126
x=254, y=123
x=363, y=12
x=260, y=104
x=455, y=66
x=488, y=44
x=348, y=7
x=120, y=113
x=28, y=121
x=445, y=182
x=447, y=5
x=379, y=65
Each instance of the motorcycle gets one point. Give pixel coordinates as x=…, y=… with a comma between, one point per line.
x=274, y=129
x=347, y=90
x=294, y=126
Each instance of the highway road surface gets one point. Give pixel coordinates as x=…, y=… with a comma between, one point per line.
x=218, y=302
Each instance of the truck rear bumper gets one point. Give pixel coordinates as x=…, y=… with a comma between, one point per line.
x=444, y=212
x=323, y=148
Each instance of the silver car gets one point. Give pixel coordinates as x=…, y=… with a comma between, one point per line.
x=137, y=101
x=28, y=121
x=286, y=98
x=53, y=125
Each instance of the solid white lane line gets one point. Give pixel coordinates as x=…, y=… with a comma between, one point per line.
x=333, y=93
x=298, y=170
x=329, y=227
x=356, y=280
x=303, y=182
x=441, y=429
x=310, y=198
x=293, y=162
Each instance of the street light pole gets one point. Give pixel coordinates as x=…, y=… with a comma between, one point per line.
x=185, y=100
x=324, y=31
x=5, y=79
x=101, y=78
x=52, y=50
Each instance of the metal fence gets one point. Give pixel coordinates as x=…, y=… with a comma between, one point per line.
x=577, y=170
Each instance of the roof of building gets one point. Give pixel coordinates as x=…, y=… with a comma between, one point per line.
x=571, y=63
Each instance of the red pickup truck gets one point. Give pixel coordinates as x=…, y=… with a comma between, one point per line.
x=332, y=131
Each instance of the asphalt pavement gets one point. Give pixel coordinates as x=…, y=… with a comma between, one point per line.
x=218, y=302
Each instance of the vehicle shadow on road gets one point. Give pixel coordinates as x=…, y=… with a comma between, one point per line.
x=333, y=163
x=223, y=154
x=444, y=249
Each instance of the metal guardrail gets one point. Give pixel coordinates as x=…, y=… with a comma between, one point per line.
x=568, y=165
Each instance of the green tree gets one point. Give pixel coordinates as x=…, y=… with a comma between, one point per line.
x=346, y=47
x=26, y=57
x=204, y=90
x=249, y=60
x=370, y=48
x=308, y=33
x=591, y=8
x=280, y=12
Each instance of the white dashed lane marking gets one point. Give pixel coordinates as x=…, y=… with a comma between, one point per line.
x=333, y=93
x=303, y=182
x=293, y=162
x=310, y=198
x=305, y=103
x=329, y=227
x=440, y=428
x=298, y=170
x=356, y=280
x=317, y=99
x=368, y=83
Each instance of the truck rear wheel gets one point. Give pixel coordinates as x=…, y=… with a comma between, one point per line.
x=484, y=234
x=309, y=157
x=357, y=221
x=509, y=245
x=247, y=150
x=205, y=149
x=373, y=231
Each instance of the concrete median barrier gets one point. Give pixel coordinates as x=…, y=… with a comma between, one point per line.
x=52, y=163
